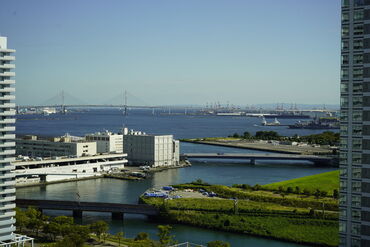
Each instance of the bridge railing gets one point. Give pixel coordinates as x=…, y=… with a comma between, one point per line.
x=187, y=244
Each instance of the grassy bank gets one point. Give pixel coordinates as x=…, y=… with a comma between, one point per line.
x=260, y=210
x=328, y=181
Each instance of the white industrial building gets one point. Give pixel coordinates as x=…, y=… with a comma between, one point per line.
x=151, y=150
x=33, y=146
x=7, y=149
x=107, y=142
x=64, y=168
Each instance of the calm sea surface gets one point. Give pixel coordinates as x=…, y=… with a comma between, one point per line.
x=110, y=190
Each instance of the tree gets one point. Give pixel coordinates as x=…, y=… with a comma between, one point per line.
x=236, y=135
x=289, y=190
x=306, y=192
x=36, y=219
x=142, y=236
x=335, y=194
x=317, y=193
x=218, y=243
x=99, y=227
x=246, y=135
x=76, y=237
x=21, y=219
x=297, y=190
x=119, y=236
x=165, y=238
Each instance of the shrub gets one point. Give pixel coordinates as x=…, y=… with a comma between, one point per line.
x=142, y=236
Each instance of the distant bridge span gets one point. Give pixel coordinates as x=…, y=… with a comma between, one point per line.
x=322, y=160
x=117, y=209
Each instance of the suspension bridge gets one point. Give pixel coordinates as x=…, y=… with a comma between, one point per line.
x=63, y=101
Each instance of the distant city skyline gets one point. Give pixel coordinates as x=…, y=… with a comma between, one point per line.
x=176, y=52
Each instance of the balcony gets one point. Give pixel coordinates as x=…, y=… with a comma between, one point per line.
x=7, y=214
x=6, y=129
x=7, y=66
x=7, y=113
x=7, y=74
x=7, y=144
x=7, y=82
x=7, y=152
x=8, y=167
x=8, y=121
x=7, y=97
x=7, y=137
x=7, y=58
x=7, y=222
x=9, y=230
x=7, y=90
x=9, y=183
x=7, y=160
x=8, y=105
x=7, y=191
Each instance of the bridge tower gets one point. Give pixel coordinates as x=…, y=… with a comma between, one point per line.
x=62, y=106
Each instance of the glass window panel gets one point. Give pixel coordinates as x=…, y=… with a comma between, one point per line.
x=356, y=172
x=356, y=228
x=342, y=199
x=343, y=172
x=356, y=158
x=356, y=201
x=357, y=101
x=357, y=59
x=357, y=30
x=342, y=227
x=358, y=44
x=357, y=143
x=345, y=3
x=343, y=143
x=344, y=88
x=345, y=59
x=357, y=73
x=356, y=214
x=345, y=44
x=343, y=185
x=344, y=73
x=357, y=87
x=345, y=31
x=345, y=16
x=358, y=15
x=357, y=116
x=344, y=101
x=358, y=3
x=356, y=129
x=344, y=130
x=356, y=186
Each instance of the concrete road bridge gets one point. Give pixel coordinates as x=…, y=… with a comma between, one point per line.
x=116, y=209
x=316, y=159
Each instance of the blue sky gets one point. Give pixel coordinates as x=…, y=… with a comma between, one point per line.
x=176, y=51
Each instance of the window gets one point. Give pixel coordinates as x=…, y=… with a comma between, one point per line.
x=357, y=102
x=357, y=88
x=355, y=229
x=343, y=157
x=345, y=16
x=356, y=201
x=343, y=185
x=357, y=130
x=344, y=130
x=356, y=172
x=344, y=88
x=356, y=186
x=345, y=44
x=345, y=31
x=356, y=158
x=343, y=143
x=356, y=143
x=358, y=44
x=358, y=15
x=359, y=3
x=344, y=73
x=343, y=212
x=356, y=214
x=357, y=59
x=342, y=227
x=345, y=59
x=355, y=242
x=343, y=172
x=344, y=101
x=357, y=30
x=343, y=199
x=345, y=3
x=357, y=115
x=357, y=73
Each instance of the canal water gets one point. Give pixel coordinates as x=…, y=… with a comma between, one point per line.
x=227, y=172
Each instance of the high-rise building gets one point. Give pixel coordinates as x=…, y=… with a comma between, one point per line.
x=7, y=148
x=354, y=201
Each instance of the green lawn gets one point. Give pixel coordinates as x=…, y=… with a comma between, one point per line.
x=327, y=181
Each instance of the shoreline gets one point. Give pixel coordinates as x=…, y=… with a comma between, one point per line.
x=283, y=149
x=110, y=176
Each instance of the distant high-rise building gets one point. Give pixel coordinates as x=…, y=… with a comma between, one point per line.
x=7, y=143
x=7, y=149
x=354, y=201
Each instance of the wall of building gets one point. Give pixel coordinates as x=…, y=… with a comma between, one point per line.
x=107, y=142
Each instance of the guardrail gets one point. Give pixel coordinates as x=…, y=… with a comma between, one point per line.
x=187, y=244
